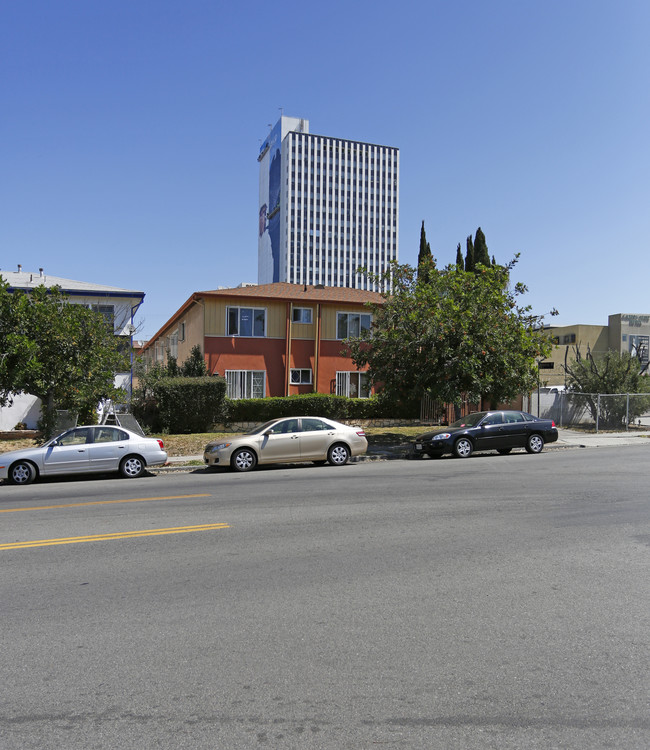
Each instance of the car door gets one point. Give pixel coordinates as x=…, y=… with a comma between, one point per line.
x=281, y=442
x=316, y=436
x=68, y=454
x=514, y=430
x=107, y=449
x=490, y=436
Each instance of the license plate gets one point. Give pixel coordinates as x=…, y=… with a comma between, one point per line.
x=418, y=446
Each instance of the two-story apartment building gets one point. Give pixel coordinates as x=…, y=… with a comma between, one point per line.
x=118, y=306
x=271, y=339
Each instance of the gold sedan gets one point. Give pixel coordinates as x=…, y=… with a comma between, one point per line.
x=288, y=440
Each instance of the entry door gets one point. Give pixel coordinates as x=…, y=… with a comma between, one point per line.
x=514, y=430
x=108, y=448
x=315, y=438
x=69, y=455
x=491, y=435
x=282, y=442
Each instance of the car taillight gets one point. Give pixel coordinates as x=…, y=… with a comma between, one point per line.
x=361, y=433
x=160, y=443
x=552, y=423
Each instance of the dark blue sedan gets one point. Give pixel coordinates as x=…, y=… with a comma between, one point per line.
x=485, y=431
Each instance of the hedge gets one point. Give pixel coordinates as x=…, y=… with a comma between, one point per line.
x=317, y=404
x=183, y=405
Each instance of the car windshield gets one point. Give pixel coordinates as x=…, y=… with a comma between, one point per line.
x=471, y=420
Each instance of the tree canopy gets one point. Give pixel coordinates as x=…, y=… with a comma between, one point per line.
x=460, y=335
x=64, y=353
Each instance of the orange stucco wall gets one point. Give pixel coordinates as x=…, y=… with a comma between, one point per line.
x=225, y=353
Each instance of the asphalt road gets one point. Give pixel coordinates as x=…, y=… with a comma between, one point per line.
x=495, y=602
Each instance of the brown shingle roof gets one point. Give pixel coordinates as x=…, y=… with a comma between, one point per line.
x=293, y=292
x=277, y=290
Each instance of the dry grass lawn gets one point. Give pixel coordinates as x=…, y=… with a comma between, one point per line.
x=190, y=445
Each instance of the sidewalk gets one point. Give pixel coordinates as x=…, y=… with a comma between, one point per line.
x=566, y=439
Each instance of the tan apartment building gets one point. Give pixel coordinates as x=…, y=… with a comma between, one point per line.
x=274, y=339
x=624, y=332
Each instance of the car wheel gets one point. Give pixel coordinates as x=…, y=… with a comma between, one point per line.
x=132, y=467
x=535, y=444
x=463, y=448
x=338, y=455
x=243, y=460
x=504, y=451
x=22, y=472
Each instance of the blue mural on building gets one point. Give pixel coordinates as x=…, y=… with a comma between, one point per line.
x=269, y=217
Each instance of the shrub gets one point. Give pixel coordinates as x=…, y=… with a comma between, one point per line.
x=182, y=405
x=323, y=405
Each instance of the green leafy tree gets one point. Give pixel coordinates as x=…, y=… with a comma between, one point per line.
x=63, y=353
x=461, y=335
x=425, y=257
x=610, y=373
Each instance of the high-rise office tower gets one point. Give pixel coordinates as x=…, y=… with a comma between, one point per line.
x=328, y=206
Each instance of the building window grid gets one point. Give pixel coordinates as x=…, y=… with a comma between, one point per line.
x=301, y=376
x=245, y=383
x=246, y=321
x=352, y=384
x=335, y=257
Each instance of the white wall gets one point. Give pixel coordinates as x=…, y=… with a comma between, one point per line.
x=25, y=408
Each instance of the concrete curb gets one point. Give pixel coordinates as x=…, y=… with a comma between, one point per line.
x=390, y=453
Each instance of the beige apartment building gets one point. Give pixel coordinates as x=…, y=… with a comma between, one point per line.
x=624, y=332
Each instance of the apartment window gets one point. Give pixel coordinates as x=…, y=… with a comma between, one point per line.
x=181, y=332
x=301, y=376
x=245, y=383
x=108, y=311
x=352, y=384
x=351, y=324
x=246, y=321
x=173, y=345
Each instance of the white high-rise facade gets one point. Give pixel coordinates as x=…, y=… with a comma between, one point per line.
x=328, y=206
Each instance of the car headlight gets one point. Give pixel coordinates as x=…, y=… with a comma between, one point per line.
x=215, y=448
x=442, y=436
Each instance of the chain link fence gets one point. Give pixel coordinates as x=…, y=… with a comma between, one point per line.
x=599, y=411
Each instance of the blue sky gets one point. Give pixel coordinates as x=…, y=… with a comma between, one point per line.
x=130, y=132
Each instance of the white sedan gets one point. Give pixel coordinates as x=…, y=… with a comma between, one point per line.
x=84, y=450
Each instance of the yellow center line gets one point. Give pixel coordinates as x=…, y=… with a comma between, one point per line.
x=115, y=535
x=104, y=502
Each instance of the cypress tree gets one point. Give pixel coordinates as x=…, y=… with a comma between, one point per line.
x=425, y=257
x=481, y=254
x=459, y=258
x=469, y=257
